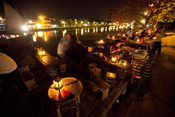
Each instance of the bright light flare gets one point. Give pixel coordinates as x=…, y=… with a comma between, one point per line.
x=24, y=27
x=64, y=32
x=34, y=38
x=38, y=25
x=143, y=21
x=124, y=64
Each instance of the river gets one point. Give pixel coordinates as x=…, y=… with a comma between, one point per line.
x=49, y=39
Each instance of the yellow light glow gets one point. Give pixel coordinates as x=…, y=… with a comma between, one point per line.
x=114, y=59
x=39, y=53
x=90, y=49
x=120, y=27
x=93, y=30
x=82, y=31
x=41, y=17
x=143, y=21
x=56, y=84
x=34, y=38
x=40, y=33
x=101, y=41
x=38, y=25
x=64, y=32
x=124, y=64
x=24, y=27
x=60, y=83
x=113, y=37
x=102, y=29
x=100, y=55
x=30, y=22
x=63, y=22
x=145, y=13
x=138, y=40
x=25, y=34
x=45, y=37
x=43, y=53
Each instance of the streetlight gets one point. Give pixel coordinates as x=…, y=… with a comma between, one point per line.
x=143, y=21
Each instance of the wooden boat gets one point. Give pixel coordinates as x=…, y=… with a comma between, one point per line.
x=16, y=43
x=20, y=44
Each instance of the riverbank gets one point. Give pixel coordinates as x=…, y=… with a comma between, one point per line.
x=49, y=29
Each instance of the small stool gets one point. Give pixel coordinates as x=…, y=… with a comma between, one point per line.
x=27, y=77
x=95, y=72
x=102, y=86
x=92, y=65
x=77, y=101
x=110, y=77
x=137, y=79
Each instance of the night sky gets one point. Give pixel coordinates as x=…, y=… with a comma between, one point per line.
x=86, y=9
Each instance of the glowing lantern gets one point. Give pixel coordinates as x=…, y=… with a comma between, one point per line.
x=100, y=55
x=114, y=59
x=124, y=64
x=90, y=49
x=101, y=41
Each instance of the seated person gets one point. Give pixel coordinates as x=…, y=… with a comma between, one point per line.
x=74, y=49
x=79, y=42
x=115, y=47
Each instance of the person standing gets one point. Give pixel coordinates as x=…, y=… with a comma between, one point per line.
x=130, y=34
x=158, y=39
x=143, y=34
x=63, y=46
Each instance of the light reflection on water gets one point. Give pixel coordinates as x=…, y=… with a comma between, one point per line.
x=45, y=35
x=82, y=31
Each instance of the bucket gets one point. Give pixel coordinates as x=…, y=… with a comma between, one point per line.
x=53, y=71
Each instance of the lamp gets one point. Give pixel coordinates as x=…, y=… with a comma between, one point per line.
x=41, y=52
x=101, y=41
x=100, y=55
x=90, y=49
x=114, y=59
x=58, y=86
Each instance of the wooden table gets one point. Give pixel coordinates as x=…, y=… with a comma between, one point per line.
x=72, y=85
x=120, y=69
x=146, y=44
x=100, y=45
x=48, y=61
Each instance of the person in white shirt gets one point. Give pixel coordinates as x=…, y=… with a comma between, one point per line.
x=158, y=39
x=130, y=34
x=63, y=46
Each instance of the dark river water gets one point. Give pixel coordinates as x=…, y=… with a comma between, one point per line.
x=49, y=39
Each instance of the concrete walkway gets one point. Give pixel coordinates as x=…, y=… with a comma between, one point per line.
x=159, y=101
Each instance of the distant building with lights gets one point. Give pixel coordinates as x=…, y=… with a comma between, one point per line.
x=2, y=22
x=45, y=22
